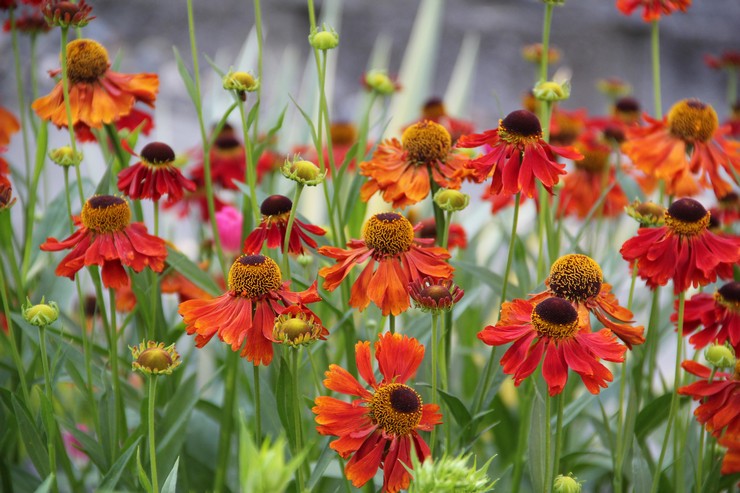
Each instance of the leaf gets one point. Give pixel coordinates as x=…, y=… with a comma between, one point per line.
x=536, y=452
x=186, y=78
x=640, y=471
x=189, y=269
x=494, y=281
x=652, y=415
x=143, y=478
x=114, y=474
x=45, y=487
x=31, y=438
x=327, y=455
x=170, y=484
x=457, y=408
x=284, y=399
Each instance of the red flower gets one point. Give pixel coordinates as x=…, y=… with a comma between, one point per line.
x=660, y=149
x=718, y=313
x=97, y=95
x=388, y=240
x=343, y=138
x=435, y=295
x=402, y=171
x=104, y=237
x=578, y=279
x=379, y=429
x=683, y=250
x=728, y=59
x=551, y=329
x=457, y=237
x=228, y=160
x=275, y=211
x=8, y=126
x=653, y=9
x=731, y=461
x=256, y=296
x=518, y=156
x=719, y=410
x=198, y=199
x=130, y=122
x=154, y=175
x=434, y=110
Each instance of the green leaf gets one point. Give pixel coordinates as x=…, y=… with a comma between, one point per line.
x=45, y=487
x=327, y=455
x=189, y=269
x=186, y=78
x=143, y=478
x=114, y=475
x=536, y=452
x=494, y=281
x=253, y=114
x=170, y=484
x=641, y=476
x=31, y=438
x=652, y=415
x=284, y=399
x=457, y=408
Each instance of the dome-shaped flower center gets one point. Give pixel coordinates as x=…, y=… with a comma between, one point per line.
x=155, y=359
x=274, y=205
x=687, y=217
x=692, y=121
x=436, y=292
x=729, y=296
x=575, y=277
x=627, y=110
x=388, y=233
x=396, y=408
x=252, y=276
x=433, y=109
x=157, y=153
x=555, y=318
x=106, y=214
x=226, y=144
x=426, y=142
x=343, y=134
x=595, y=158
x=87, y=60
x=520, y=127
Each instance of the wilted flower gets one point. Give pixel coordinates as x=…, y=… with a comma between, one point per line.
x=435, y=295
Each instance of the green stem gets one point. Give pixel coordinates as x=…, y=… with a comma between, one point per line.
x=653, y=335
x=674, y=397
x=51, y=424
x=21, y=97
x=558, y=437
x=150, y=423
x=525, y=414
x=435, y=362
x=297, y=418
x=32, y=195
x=120, y=406
x=258, y=27
x=732, y=87
x=702, y=440
x=156, y=218
x=250, y=172
x=547, y=481
x=227, y=419
x=446, y=230
x=545, y=41
x=17, y=359
x=257, y=407
x=655, y=51
x=289, y=227
x=392, y=323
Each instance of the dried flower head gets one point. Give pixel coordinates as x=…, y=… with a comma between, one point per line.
x=154, y=358
x=41, y=314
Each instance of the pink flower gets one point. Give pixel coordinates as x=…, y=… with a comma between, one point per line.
x=229, y=222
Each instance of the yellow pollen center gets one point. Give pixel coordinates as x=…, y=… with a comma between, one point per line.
x=595, y=159
x=575, y=277
x=388, y=233
x=106, y=214
x=252, y=276
x=87, y=60
x=553, y=330
x=687, y=228
x=396, y=408
x=692, y=121
x=426, y=142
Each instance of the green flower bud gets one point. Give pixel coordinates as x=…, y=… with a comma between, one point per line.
x=566, y=484
x=302, y=171
x=549, y=90
x=378, y=81
x=328, y=39
x=65, y=156
x=241, y=83
x=41, y=314
x=648, y=214
x=451, y=200
x=154, y=358
x=720, y=355
x=448, y=475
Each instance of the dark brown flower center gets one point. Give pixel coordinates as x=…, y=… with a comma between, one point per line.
x=226, y=142
x=157, y=153
x=396, y=408
x=555, y=318
x=575, y=277
x=692, y=121
x=252, y=276
x=729, y=296
x=627, y=105
x=106, y=214
x=87, y=60
x=687, y=217
x=433, y=109
x=275, y=205
x=343, y=134
x=154, y=359
x=522, y=123
x=436, y=292
x=388, y=233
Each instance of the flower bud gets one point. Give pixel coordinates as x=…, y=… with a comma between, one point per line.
x=448, y=475
x=648, y=214
x=41, y=314
x=241, y=83
x=304, y=259
x=720, y=355
x=566, y=484
x=67, y=14
x=378, y=81
x=328, y=39
x=550, y=90
x=65, y=156
x=154, y=358
x=297, y=326
x=302, y=171
x=451, y=200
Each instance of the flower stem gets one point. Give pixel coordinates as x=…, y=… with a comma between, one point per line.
x=446, y=229
x=250, y=170
x=120, y=407
x=655, y=45
x=674, y=397
x=297, y=417
x=392, y=324
x=257, y=407
x=227, y=419
x=525, y=412
x=150, y=423
x=51, y=432
x=289, y=227
x=547, y=481
x=21, y=96
x=435, y=362
x=17, y=359
x=558, y=438
x=545, y=41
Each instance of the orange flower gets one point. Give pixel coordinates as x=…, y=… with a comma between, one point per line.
x=104, y=237
x=8, y=126
x=154, y=176
x=660, y=149
x=653, y=9
x=731, y=461
x=388, y=240
x=256, y=296
x=379, y=429
x=566, y=126
x=518, y=156
x=401, y=171
x=97, y=95
x=578, y=279
x=130, y=122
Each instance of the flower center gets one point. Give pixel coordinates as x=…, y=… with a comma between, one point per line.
x=627, y=110
x=343, y=133
x=436, y=292
x=729, y=296
x=687, y=217
x=157, y=153
x=426, y=142
x=575, y=277
x=555, y=318
x=388, y=233
x=252, y=276
x=396, y=408
x=595, y=158
x=87, y=60
x=520, y=127
x=274, y=205
x=226, y=144
x=106, y=214
x=433, y=109
x=692, y=121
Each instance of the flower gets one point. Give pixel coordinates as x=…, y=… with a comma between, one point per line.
x=660, y=149
x=551, y=329
x=229, y=223
x=241, y=83
x=434, y=110
x=6, y=194
x=435, y=295
x=297, y=326
x=566, y=126
x=275, y=211
x=457, y=237
x=728, y=59
x=719, y=410
x=153, y=358
x=449, y=475
x=65, y=156
x=228, y=160
x=648, y=214
x=720, y=355
x=97, y=94
x=154, y=176
x=578, y=279
x=130, y=123
x=327, y=39
x=566, y=484
x=256, y=295
x=303, y=172
x=683, y=250
x=552, y=90
x=378, y=81
x=105, y=237
x=451, y=200
x=401, y=171
x=718, y=313
x=67, y=14
x=614, y=87
x=8, y=126
x=731, y=460
x=388, y=240
x=32, y=23
x=379, y=429
x=727, y=210
x=533, y=54
x=653, y=9
x=517, y=155
x=41, y=314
